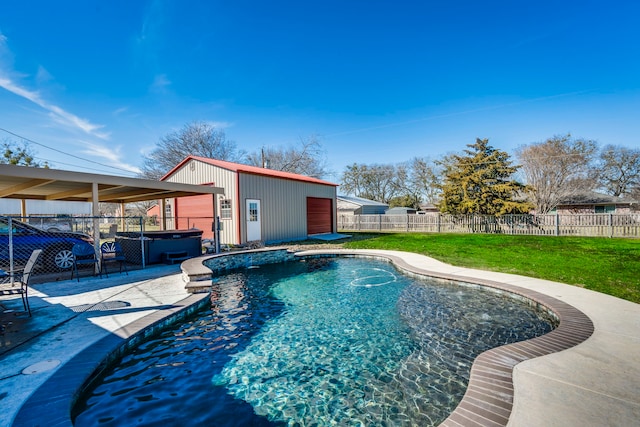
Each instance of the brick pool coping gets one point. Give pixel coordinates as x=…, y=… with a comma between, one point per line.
x=488, y=400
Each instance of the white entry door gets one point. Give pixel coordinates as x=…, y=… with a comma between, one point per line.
x=254, y=231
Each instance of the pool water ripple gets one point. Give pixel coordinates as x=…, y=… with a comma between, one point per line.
x=319, y=342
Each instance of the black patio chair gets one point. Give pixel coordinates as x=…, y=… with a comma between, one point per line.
x=84, y=254
x=112, y=252
x=20, y=284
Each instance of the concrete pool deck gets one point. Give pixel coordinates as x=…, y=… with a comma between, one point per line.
x=45, y=358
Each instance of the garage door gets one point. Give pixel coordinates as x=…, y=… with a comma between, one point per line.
x=319, y=215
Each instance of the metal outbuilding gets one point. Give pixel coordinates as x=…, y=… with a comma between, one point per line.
x=360, y=206
x=400, y=210
x=258, y=203
x=28, y=183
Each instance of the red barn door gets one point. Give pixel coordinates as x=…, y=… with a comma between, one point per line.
x=319, y=215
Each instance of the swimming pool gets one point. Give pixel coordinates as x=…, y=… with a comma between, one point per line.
x=341, y=340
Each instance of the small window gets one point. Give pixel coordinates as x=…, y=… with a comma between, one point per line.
x=253, y=212
x=225, y=209
x=606, y=209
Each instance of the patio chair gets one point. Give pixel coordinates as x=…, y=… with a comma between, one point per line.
x=20, y=284
x=112, y=252
x=84, y=254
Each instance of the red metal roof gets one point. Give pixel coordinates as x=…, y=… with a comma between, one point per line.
x=240, y=168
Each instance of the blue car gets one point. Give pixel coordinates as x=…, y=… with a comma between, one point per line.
x=56, y=245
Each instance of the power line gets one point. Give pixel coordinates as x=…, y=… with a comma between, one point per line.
x=65, y=153
x=55, y=162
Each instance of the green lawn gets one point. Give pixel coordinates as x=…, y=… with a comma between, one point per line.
x=610, y=266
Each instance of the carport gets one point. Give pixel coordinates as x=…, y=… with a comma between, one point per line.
x=24, y=183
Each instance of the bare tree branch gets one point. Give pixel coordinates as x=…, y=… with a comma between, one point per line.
x=195, y=138
x=557, y=169
x=307, y=159
x=619, y=170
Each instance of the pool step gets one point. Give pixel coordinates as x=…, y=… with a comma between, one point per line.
x=173, y=257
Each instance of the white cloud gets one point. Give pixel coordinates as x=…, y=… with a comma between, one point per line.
x=160, y=83
x=220, y=125
x=120, y=111
x=43, y=76
x=58, y=114
x=145, y=150
x=112, y=155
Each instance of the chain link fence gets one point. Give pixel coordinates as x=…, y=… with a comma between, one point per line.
x=56, y=236
x=143, y=241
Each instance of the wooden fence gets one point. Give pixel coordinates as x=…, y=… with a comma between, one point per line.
x=595, y=225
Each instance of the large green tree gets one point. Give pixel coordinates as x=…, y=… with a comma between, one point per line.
x=480, y=182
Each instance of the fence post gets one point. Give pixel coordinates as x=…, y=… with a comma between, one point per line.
x=11, y=265
x=217, y=234
x=610, y=225
x=557, y=221
x=379, y=222
x=438, y=221
x=407, y=222
x=142, y=242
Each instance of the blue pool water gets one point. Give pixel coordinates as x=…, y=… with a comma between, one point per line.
x=340, y=341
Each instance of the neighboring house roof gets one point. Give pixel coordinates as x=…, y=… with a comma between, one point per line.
x=399, y=210
x=428, y=207
x=360, y=201
x=240, y=168
x=593, y=198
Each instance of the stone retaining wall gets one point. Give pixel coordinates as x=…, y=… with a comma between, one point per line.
x=198, y=272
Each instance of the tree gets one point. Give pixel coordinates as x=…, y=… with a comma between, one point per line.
x=405, y=184
x=195, y=138
x=373, y=182
x=479, y=182
x=557, y=169
x=426, y=177
x=16, y=154
x=619, y=170
x=307, y=159
x=407, y=193
x=406, y=201
x=634, y=194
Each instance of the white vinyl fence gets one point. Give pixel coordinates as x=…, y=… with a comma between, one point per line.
x=594, y=225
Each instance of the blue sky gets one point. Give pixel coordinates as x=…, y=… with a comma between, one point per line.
x=377, y=81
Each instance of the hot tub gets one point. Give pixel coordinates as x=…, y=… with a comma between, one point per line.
x=160, y=246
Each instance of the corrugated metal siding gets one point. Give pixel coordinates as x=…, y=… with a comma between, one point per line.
x=195, y=212
x=283, y=204
x=373, y=210
x=197, y=172
x=44, y=207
